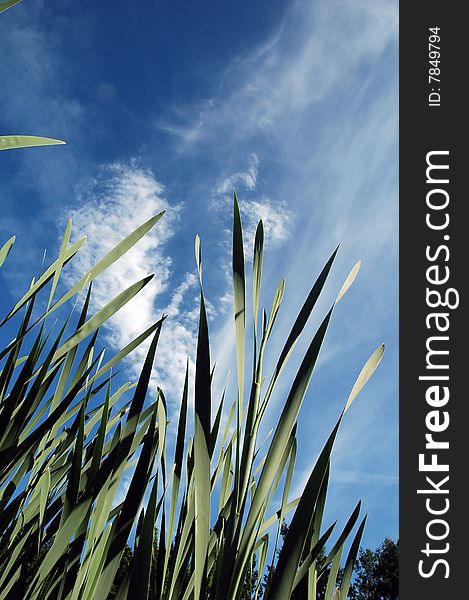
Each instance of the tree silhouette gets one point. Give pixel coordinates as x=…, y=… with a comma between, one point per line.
x=377, y=573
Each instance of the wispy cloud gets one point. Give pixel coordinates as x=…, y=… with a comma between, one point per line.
x=267, y=91
x=247, y=178
x=275, y=217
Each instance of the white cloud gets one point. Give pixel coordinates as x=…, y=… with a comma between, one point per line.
x=275, y=218
x=275, y=215
x=121, y=198
x=247, y=178
x=225, y=302
x=174, y=307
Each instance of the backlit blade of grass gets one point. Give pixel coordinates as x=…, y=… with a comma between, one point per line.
x=8, y=142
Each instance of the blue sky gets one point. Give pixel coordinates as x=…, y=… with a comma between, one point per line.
x=171, y=105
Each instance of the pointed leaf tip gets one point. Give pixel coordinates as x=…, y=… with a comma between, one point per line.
x=365, y=374
x=198, y=255
x=8, y=142
x=5, y=249
x=349, y=280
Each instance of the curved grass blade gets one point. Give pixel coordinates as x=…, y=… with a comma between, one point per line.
x=316, y=527
x=348, y=282
x=140, y=578
x=279, y=442
x=287, y=484
x=257, y=274
x=276, y=516
x=341, y=539
x=5, y=249
x=73, y=486
x=117, y=358
x=349, y=563
x=239, y=294
x=61, y=257
x=216, y=425
x=239, y=304
x=8, y=142
x=332, y=577
x=294, y=543
x=369, y=368
x=102, y=316
x=312, y=556
x=178, y=461
x=261, y=563
x=202, y=403
x=300, y=323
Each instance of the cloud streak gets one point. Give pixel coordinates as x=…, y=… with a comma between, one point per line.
x=267, y=92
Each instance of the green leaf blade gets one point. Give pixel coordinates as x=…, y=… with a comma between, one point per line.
x=9, y=142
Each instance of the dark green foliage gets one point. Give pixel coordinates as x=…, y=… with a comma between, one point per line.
x=124, y=569
x=301, y=590
x=377, y=573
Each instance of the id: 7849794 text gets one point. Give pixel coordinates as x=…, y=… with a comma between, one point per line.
x=434, y=71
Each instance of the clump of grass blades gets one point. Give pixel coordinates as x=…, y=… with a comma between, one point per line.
x=67, y=438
